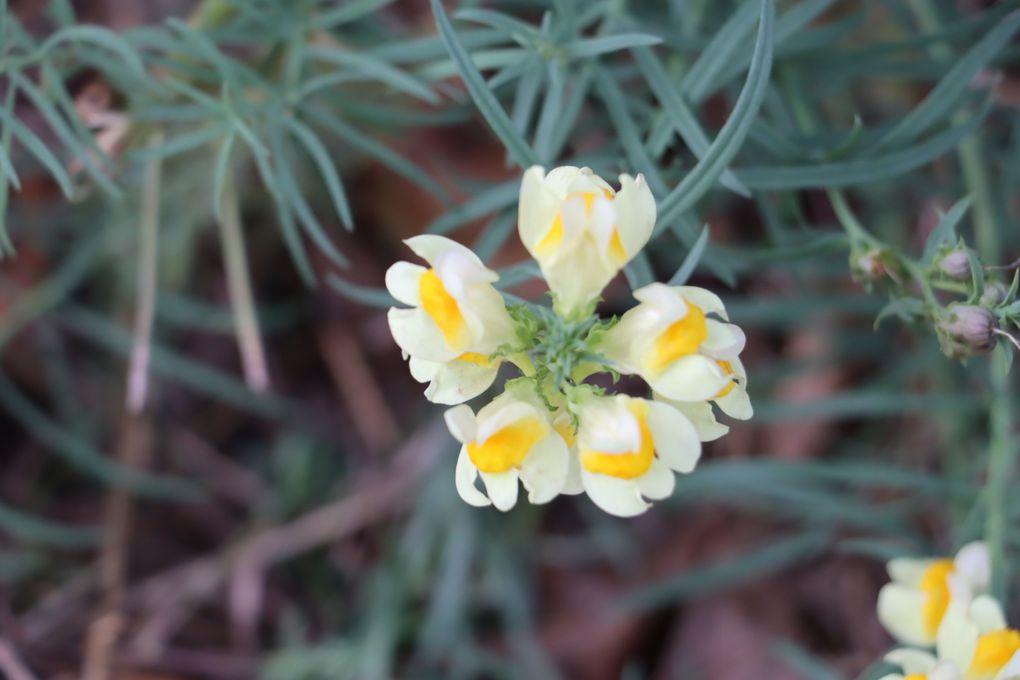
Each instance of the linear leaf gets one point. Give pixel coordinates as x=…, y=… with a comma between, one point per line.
x=101, y=37
x=731, y=137
x=366, y=295
x=593, y=47
x=489, y=201
x=942, y=101
x=348, y=12
x=509, y=25
x=680, y=115
x=686, y=268
x=40, y=151
x=484, y=99
x=860, y=170
x=377, y=69
x=320, y=155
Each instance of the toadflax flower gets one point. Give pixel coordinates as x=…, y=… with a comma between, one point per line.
x=456, y=321
x=685, y=355
x=581, y=231
x=913, y=606
x=628, y=450
x=550, y=429
x=509, y=439
x=920, y=665
x=976, y=638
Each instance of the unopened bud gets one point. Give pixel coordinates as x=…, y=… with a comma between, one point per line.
x=966, y=329
x=994, y=295
x=868, y=266
x=956, y=264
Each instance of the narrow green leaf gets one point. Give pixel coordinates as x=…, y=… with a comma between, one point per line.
x=220, y=174
x=313, y=145
x=639, y=271
x=514, y=28
x=945, y=231
x=187, y=141
x=375, y=68
x=551, y=109
x=593, y=47
x=697, y=83
x=101, y=37
x=78, y=453
x=859, y=170
x=372, y=297
x=349, y=11
x=526, y=96
x=484, y=99
x=370, y=147
x=498, y=197
x=731, y=137
x=680, y=115
x=943, y=101
x=32, y=530
x=39, y=150
x=686, y=268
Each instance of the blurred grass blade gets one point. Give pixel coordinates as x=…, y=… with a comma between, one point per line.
x=100, y=37
x=552, y=107
x=372, y=297
x=352, y=10
x=81, y=455
x=375, y=68
x=39, y=150
x=778, y=555
x=35, y=530
x=680, y=115
x=514, y=28
x=639, y=271
x=943, y=101
x=860, y=170
x=683, y=273
x=496, y=198
x=593, y=47
x=484, y=99
x=697, y=83
x=320, y=155
x=726, y=145
x=944, y=232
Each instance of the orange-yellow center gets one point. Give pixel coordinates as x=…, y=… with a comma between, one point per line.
x=916, y=676
x=476, y=358
x=727, y=368
x=994, y=650
x=443, y=309
x=630, y=464
x=551, y=241
x=507, y=447
x=553, y=237
x=935, y=586
x=681, y=339
x=566, y=429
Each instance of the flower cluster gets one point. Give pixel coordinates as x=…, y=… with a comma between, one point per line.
x=551, y=430
x=943, y=604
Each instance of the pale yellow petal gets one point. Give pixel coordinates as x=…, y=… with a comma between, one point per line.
x=702, y=418
x=957, y=637
x=635, y=213
x=658, y=482
x=690, y=378
x=709, y=302
x=501, y=487
x=912, y=661
x=974, y=564
x=676, y=441
x=465, y=476
x=457, y=381
x=544, y=470
x=736, y=403
x=403, y=281
x=620, y=497
x=724, y=341
x=415, y=333
x=900, y=610
x=461, y=422
x=986, y=612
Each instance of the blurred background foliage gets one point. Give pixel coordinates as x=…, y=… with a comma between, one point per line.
x=215, y=464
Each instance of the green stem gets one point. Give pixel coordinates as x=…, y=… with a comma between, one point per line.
x=1002, y=451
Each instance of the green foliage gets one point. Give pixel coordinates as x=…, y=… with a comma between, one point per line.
x=755, y=103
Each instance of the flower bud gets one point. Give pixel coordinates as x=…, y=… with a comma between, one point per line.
x=994, y=295
x=966, y=329
x=956, y=264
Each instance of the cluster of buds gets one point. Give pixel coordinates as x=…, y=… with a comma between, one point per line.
x=954, y=629
x=550, y=429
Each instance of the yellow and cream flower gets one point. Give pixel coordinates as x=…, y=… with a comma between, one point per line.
x=977, y=639
x=454, y=382
x=510, y=439
x=914, y=604
x=581, y=231
x=685, y=355
x=455, y=312
x=920, y=665
x=628, y=450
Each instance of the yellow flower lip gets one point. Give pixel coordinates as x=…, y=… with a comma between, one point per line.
x=994, y=651
x=935, y=586
x=682, y=338
x=443, y=309
x=507, y=448
x=727, y=368
x=628, y=465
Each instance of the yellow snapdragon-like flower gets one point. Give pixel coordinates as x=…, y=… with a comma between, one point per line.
x=628, y=450
x=456, y=321
x=920, y=665
x=670, y=340
x=581, y=231
x=510, y=439
x=977, y=639
x=914, y=604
